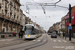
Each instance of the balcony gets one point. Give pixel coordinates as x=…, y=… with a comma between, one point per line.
x=11, y=3
x=14, y=20
x=6, y=17
x=9, y=18
x=0, y=5
x=2, y=15
x=7, y=1
x=17, y=2
x=15, y=6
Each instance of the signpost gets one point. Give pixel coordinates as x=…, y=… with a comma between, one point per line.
x=70, y=27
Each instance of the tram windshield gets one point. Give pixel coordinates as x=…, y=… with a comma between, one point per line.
x=28, y=30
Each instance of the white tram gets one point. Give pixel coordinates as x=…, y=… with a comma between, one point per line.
x=31, y=32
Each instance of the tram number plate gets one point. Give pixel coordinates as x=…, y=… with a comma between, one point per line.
x=27, y=35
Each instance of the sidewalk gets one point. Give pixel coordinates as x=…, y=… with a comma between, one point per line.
x=10, y=41
x=67, y=38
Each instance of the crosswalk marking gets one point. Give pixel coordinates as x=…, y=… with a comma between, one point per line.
x=59, y=40
x=39, y=40
x=54, y=40
x=64, y=41
x=34, y=40
x=6, y=40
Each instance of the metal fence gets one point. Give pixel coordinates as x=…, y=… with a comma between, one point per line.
x=7, y=34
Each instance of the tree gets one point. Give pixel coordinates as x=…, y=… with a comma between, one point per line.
x=63, y=30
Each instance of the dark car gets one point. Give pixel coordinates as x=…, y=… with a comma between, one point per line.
x=53, y=35
x=49, y=33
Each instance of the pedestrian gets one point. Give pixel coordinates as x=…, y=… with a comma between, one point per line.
x=63, y=35
x=13, y=33
x=20, y=35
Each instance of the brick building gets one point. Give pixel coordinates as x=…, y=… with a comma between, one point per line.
x=72, y=20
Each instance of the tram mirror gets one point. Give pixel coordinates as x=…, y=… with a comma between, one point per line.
x=25, y=28
x=32, y=28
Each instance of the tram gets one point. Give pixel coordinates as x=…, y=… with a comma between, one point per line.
x=31, y=32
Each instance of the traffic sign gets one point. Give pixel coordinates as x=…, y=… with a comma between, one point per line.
x=70, y=27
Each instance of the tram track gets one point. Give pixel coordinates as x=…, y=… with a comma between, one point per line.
x=13, y=43
x=40, y=44
x=37, y=44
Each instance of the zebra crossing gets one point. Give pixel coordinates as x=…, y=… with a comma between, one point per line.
x=54, y=40
x=6, y=40
x=59, y=41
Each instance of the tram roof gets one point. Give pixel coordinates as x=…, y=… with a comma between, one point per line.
x=29, y=25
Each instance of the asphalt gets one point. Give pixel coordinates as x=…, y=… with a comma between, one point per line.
x=45, y=42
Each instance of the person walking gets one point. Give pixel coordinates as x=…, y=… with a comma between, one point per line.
x=13, y=33
x=63, y=35
x=20, y=35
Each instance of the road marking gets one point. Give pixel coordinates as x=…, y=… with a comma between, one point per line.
x=39, y=40
x=6, y=40
x=59, y=40
x=64, y=41
x=34, y=40
x=44, y=40
x=54, y=40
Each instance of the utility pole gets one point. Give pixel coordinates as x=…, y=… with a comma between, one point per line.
x=69, y=22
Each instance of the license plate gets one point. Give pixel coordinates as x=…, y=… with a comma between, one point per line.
x=27, y=35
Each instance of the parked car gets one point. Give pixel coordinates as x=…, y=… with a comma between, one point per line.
x=53, y=35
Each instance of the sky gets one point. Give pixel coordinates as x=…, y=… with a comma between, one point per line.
x=53, y=14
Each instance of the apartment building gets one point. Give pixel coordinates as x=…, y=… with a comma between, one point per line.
x=63, y=23
x=23, y=21
x=10, y=16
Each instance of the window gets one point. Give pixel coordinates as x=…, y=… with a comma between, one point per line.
x=72, y=18
x=5, y=5
x=9, y=28
x=17, y=17
x=14, y=16
x=66, y=20
x=5, y=13
x=2, y=11
x=4, y=25
x=20, y=17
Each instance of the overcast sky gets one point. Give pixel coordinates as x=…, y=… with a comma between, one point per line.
x=53, y=14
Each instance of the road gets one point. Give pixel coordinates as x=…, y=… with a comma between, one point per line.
x=45, y=42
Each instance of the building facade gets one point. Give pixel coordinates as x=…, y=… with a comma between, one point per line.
x=10, y=16
x=63, y=23
x=23, y=22
x=72, y=20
